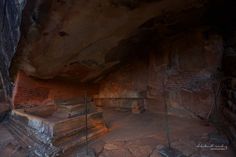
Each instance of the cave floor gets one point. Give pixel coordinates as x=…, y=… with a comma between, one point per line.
x=141, y=135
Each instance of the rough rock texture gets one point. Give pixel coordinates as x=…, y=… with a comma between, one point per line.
x=85, y=39
x=30, y=92
x=189, y=72
x=9, y=146
x=228, y=105
x=125, y=86
x=4, y=107
x=130, y=138
x=183, y=70
x=10, y=20
x=9, y=35
x=128, y=135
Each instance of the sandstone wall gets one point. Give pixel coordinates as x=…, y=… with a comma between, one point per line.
x=29, y=91
x=186, y=66
x=181, y=69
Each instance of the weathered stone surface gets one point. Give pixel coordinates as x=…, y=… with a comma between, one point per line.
x=140, y=151
x=9, y=35
x=98, y=146
x=10, y=21
x=111, y=146
x=188, y=68
x=85, y=39
x=4, y=105
x=171, y=152
x=142, y=147
x=229, y=61
x=29, y=91
x=233, y=83
x=187, y=147
x=53, y=134
x=84, y=153
x=9, y=146
x=116, y=153
x=138, y=107
x=155, y=153
x=218, y=139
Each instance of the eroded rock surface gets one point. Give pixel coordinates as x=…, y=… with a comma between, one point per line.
x=85, y=39
x=10, y=21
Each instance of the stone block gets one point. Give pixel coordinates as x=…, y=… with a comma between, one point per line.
x=137, y=107
x=55, y=133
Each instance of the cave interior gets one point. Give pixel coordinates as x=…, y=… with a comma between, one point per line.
x=118, y=78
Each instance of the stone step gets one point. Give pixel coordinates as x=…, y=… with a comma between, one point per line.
x=30, y=132
x=72, y=101
x=48, y=136
x=34, y=122
x=28, y=140
x=76, y=122
x=80, y=139
x=54, y=128
x=77, y=109
x=76, y=131
x=56, y=139
x=42, y=110
x=16, y=131
x=71, y=108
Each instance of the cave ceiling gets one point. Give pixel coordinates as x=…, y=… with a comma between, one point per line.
x=84, y=39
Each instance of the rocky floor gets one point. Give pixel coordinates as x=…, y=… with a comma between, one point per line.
x=142, y=135
x=9, y=146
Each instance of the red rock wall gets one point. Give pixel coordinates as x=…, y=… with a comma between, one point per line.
x=29, y=91
x=181, y=70
x=124, y=86
x=187, y=66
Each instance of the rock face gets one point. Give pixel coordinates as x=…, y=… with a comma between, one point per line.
x=186, y=64
x=10, y=20
x=29, y=91
x=228, y=107
x=85, y=39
